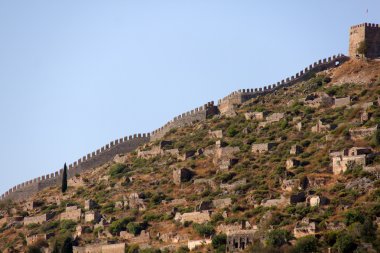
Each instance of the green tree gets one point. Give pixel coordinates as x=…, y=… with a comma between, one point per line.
x=119, y=225
x=376, y=138
x=353, y=216
x=33, y=249
x=67, y=246
x=64, y=178
x=219, y=242
x=306, y=244
x=362, y=48
x=345, y=243
x=278, y=238
x=204, y=229
x=135, y=228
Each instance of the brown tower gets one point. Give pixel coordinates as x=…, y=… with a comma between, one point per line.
x=370, y=33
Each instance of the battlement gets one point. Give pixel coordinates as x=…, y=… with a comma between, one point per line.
x=187, y=118
x=370, y=25
x=240, y=96
x=91, y=160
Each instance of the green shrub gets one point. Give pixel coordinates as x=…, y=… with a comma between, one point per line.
x=118, y=170
x=219, y=242
x=49, y=226
x=120, y=225
x=135, y=228
x=345, y=243
x=67, y=224
x=354, y=216
x=278, y=238
x=204, y=229
x=306, y=244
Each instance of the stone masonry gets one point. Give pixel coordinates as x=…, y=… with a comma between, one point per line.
x=370, y=33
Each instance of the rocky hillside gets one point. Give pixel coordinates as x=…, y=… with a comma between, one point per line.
x=296, y=170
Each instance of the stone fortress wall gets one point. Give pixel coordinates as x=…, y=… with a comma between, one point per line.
x=128, y=144
x=240, y=96
x=370, y=33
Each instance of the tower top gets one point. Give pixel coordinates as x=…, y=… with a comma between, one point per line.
x=365, y=40
x=365, y=25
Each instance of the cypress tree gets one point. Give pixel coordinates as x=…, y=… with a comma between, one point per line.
x=64, y=179
x=67, y=246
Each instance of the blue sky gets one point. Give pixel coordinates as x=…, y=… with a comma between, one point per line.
x=75, y=75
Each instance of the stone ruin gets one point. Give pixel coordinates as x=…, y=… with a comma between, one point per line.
x=282, y=201
x=291, y=163
x=259, y=116
x=321, y=127
x=32, y=239
x=217, y=134
x=341, y=161
x=194, y=244
x=92, y=216
x=38, y=219
x=233, y=186
x=72, y=213
x=135, y=202
x=142, y=238
x=304, y=228
x=101, y=248
x=290, y=185
x=295, y=150
x=318, y=99
x=196, y=217
x=239, y=240
x=263, y=147
x=182, y=175
x=340, y=102
x=316, y=201
x=89, y=205
x=362, y=133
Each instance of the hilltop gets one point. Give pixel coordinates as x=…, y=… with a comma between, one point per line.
x=295, y=169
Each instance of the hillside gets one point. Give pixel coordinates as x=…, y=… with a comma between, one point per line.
x=294, y=170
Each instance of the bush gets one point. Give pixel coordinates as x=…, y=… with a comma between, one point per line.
x=120, y=225
x=231, y=131
x=117, y=170
x=353, y=216
x=278, y=238
x=135, y=228
x=49, y=227
x=204, y=229
x=345, y=243
x=33, y=249
x=376, y=138
x=67, y=224
x=306, y=244
x=219, y=242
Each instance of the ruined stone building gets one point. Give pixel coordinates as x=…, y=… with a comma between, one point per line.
x=341, y=161
x=239, y=240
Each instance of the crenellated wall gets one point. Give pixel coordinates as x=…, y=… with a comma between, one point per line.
x=128, y=144
x=91, y=160
x=188, y=118
x=240, y=96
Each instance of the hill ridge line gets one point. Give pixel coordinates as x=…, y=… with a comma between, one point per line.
x=130, y=143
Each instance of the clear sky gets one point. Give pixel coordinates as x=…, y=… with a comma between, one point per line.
x=75, y=75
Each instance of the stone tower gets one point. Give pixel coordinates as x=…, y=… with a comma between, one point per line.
x=370, y=33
